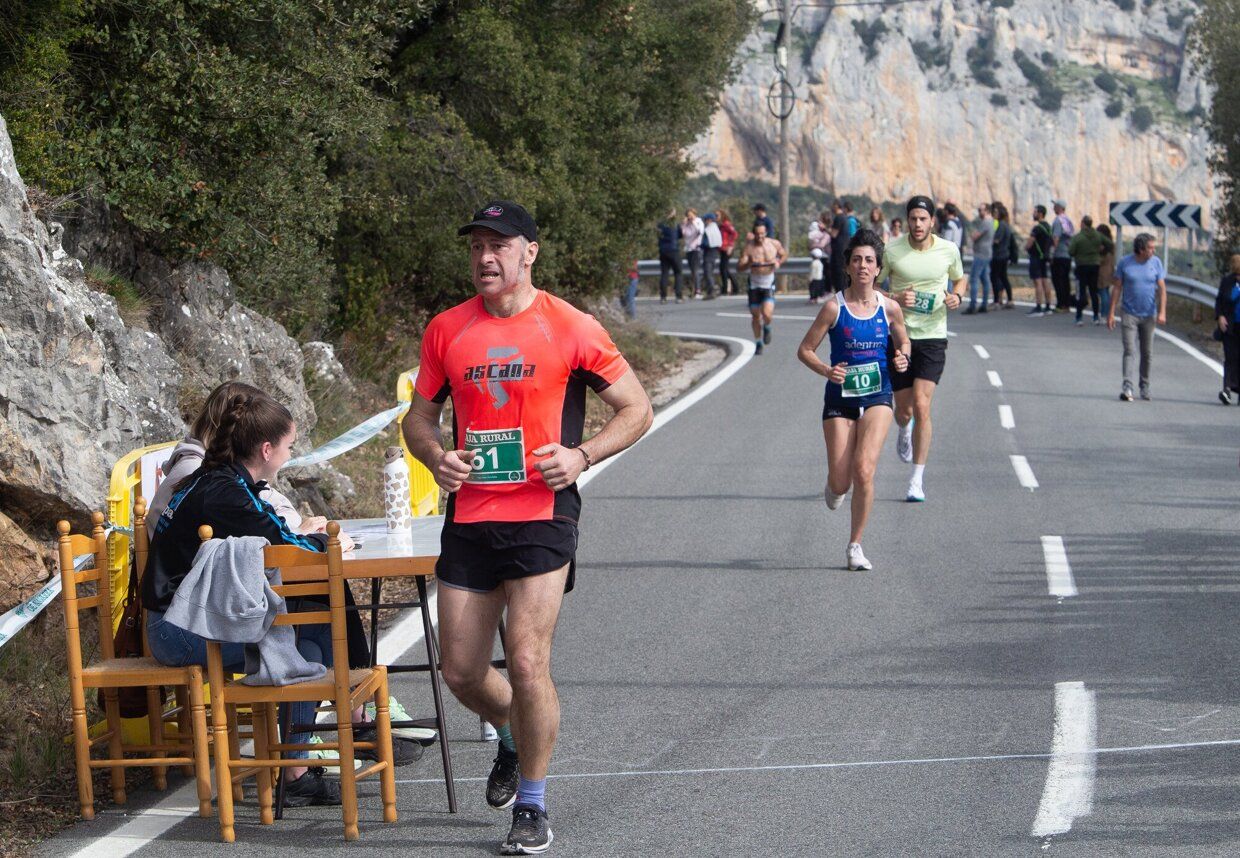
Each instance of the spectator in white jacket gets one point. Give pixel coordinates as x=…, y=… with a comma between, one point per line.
x=692, y=229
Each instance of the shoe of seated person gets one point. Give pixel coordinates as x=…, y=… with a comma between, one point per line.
x=404, y=751
x=311, y=789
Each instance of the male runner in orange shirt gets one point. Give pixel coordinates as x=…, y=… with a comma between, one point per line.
x=516, y=362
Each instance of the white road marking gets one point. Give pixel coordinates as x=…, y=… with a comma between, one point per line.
x=1193, y=351
x=182, y=803
x=995, y=381
x=773, y=316
x=981, y=758
x=1006, y=420
x=1069, y=790
x=981, y=352
x=1059, y=581
x=1024, y=473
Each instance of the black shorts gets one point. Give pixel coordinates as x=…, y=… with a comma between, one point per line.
x=852, y=412
x=758, y=297
x=926, y=362
x=1039, y=269
x=479, y=556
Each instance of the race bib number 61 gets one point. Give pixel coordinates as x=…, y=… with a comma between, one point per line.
x=498, y=455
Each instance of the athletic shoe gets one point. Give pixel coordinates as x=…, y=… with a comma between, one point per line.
x=424, y=736
x=856, y=559
x=1010, y=305
x=757, y=348
x=915, y=493
x=503, y=780
x=904, y=442
x=1224, y=396
x=969, y=312
x=1097, y=321
x=833, y=500
x=981, y=309
x=1049, y=312
x=1080, y=323
x=1036, y=311
x=530, y=833
x=311, y=789
x=404, y=752
x=766, y=335
x=680, y=300
x=1125, y=395
x=1145, y=394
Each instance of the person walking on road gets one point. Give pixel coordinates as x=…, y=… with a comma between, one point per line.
x=982, y=234
x=856, y=413
x=1227, y=315
x=761, y=257
x=516, y=362
x=1039, y=246
x=927, y=280
x=712, y=240
x=727, y=283
x=1061, y=262
x=669, y=256
x=1003, y=247
x=1086, y=249
x=1141, y=290
x=691, y=230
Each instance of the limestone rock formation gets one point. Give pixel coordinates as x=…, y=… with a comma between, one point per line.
x=951, y=97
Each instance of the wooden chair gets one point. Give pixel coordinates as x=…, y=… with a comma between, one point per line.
x=110, y=673
x=303, y=573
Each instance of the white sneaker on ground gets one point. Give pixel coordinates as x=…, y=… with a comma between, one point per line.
x=915, y=494
x=396, y=712
x=833, y=500
x=856, y=559
x=904, y=442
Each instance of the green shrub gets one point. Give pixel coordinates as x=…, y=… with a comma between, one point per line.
x=931, y=55
x=1115, y=108
x=1048, y=95
x=981, y=59
x=869, y=33
x=1106, y=82
x=998, y=99
x=1141, y=118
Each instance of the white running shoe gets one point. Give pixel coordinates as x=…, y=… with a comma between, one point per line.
x=396, y=712
x=833, y=500
x=904, y=442
x=915, y=494
x=856, y=559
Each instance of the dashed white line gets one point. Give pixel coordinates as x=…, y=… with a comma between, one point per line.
x=981, y=352
x=1006, y=420
x=1024, y=473
x=1069, y=790
x=1059, y=579
x=995, y=381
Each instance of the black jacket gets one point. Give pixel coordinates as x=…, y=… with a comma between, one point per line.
x=227, y=498
x=1223, y=304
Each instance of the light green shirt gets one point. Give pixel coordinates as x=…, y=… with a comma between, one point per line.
x=930, y=273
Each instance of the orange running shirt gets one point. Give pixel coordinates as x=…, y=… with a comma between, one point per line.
x=528, y=372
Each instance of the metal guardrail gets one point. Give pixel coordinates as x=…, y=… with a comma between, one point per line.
x=1184, y=287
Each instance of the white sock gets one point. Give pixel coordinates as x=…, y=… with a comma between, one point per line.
x=918, y=470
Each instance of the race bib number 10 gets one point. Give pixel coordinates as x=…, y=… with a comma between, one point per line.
x=498, y=455
x=923, y=302
x=862, y=380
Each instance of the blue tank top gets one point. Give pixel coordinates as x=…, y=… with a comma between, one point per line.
x=862, y=344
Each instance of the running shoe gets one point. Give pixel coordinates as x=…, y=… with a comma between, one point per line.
x=311, y=789
x=530, y=833
x=503, y=780
x=1080, y=323
x=981, y=309
x=915, y=493
x=1010, y=305
x=757, y=348
x=424, y=736
x=1036, y=311
x=1125, y=395
x=1049, y=312
x=680, y=300
x=404, y=752
x=833, y=500
x=904, y=442
x=766, y=335
x=856, y=558
x=1097, y=321
x=1145, y=394
x=1224, y=396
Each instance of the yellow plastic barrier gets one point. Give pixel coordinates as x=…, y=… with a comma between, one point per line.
x=125, y=484
x=423, y=492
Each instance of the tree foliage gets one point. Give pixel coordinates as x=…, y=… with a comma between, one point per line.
x=1215, y=41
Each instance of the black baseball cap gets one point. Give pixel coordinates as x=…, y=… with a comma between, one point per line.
x=921, y=201
x=759, y=207
x=505, y=217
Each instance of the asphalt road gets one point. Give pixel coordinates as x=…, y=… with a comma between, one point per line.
x=728, y=687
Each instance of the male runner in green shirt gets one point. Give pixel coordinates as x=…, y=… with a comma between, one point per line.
x=927, y=280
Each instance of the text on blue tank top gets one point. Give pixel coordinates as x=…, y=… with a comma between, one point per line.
x=861, y=343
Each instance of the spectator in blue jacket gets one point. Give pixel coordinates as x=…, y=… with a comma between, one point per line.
x=669, y=256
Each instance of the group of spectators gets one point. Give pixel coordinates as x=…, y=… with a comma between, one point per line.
x=706, y=243
x=829, y=235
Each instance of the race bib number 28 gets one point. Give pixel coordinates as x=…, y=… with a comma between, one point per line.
x=923, y=302
x=498, y=455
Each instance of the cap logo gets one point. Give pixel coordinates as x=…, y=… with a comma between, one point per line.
x=493, y=211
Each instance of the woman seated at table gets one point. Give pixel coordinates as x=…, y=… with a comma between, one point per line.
x=251, y=441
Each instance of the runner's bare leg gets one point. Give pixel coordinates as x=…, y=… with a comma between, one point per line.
x=868, y=439
x=533, y=608
x=839, y=435
x=468, y=622
x=922, y=395
x=755, y=314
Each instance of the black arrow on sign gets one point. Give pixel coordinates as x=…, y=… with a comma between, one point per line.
x=1130, y=214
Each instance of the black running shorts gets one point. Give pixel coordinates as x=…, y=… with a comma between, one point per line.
x=479, y=556
x=926, y=362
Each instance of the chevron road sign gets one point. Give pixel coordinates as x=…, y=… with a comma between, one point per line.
x=1153, y=213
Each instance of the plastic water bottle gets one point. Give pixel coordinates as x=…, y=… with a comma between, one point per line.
x=396, y=491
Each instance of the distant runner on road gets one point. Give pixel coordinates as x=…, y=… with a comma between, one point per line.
x=516, y=362
x=856, y=413
x=927, y=280
x=761, y=257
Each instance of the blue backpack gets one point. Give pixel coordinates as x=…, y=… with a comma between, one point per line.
x=853, y=225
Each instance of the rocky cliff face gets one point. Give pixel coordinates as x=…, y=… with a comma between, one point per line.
x=1016, y=100
x=80, y=388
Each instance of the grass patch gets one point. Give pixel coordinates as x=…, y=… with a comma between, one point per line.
x=133, y=307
